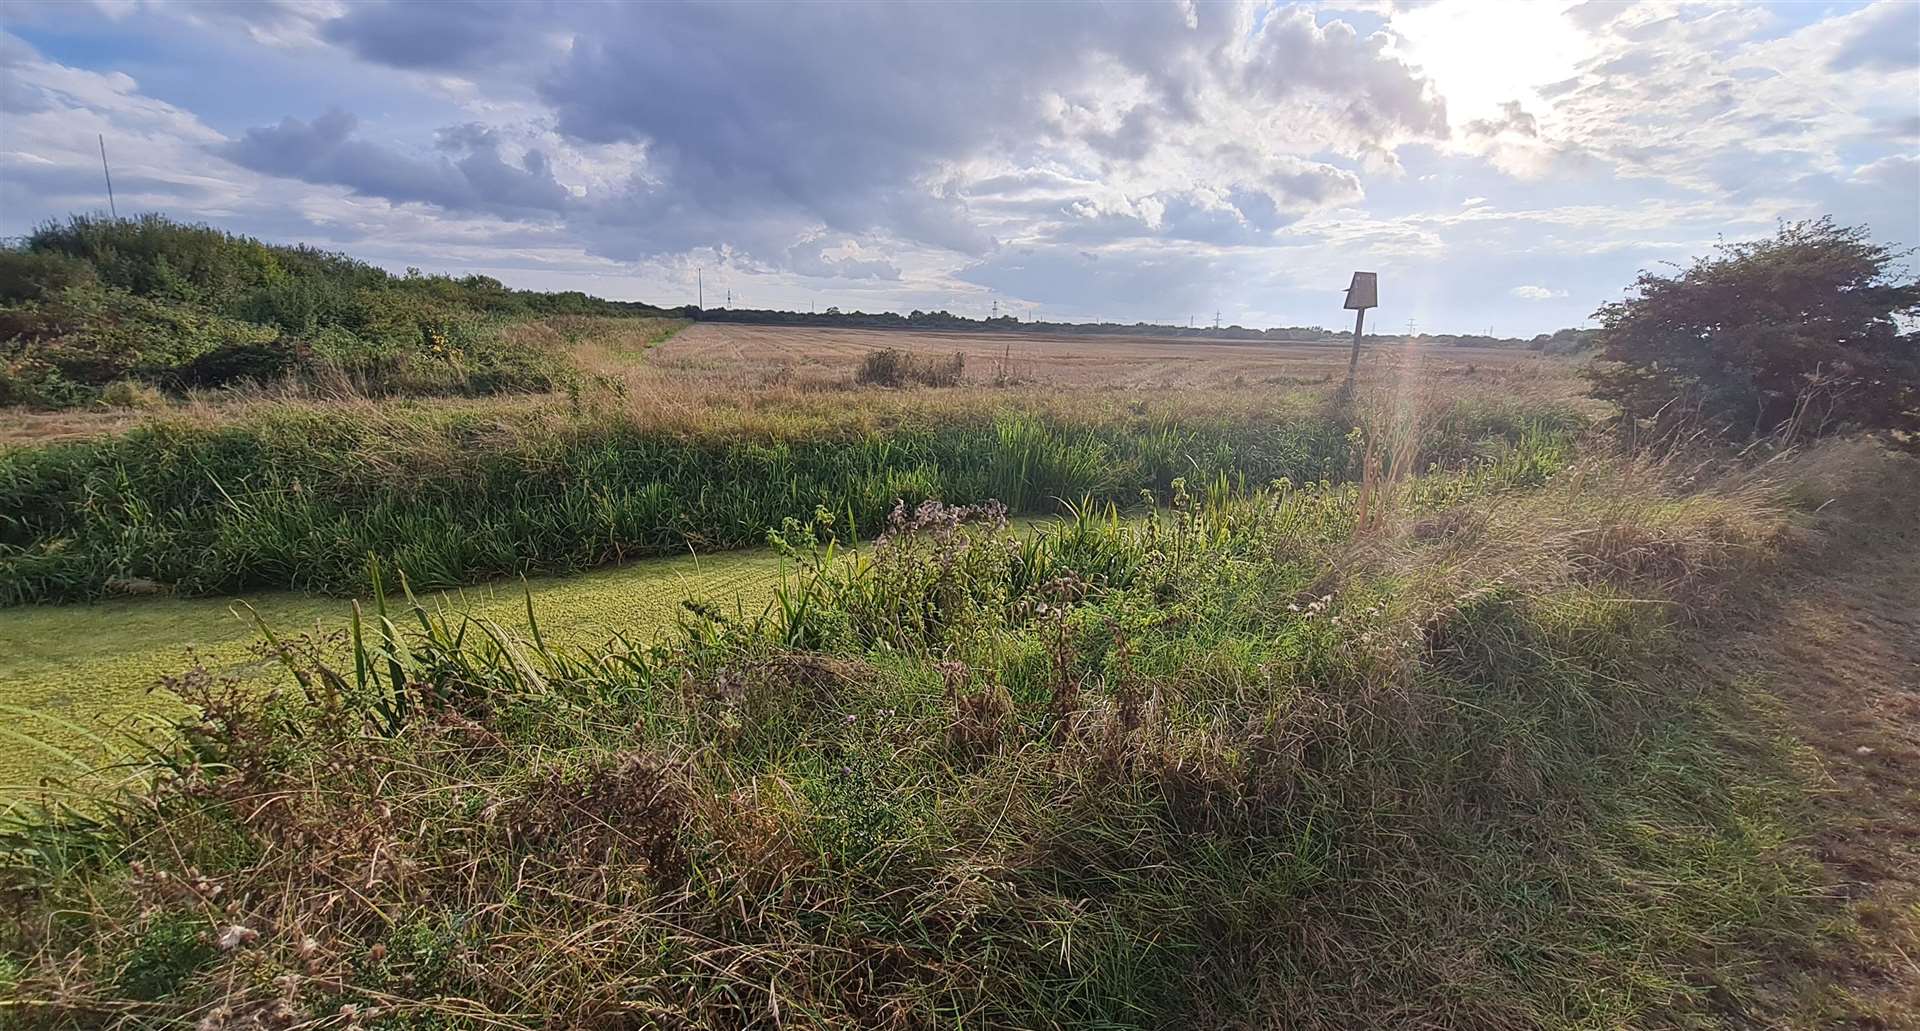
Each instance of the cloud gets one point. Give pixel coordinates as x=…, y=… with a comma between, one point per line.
x=1536, y=293
x=470, y=174
x=1894, y=171
x=1709, y=97
x=884, y=126
x=443, y=35
x=1141, y=160
x=1123, y=284
x=1886, y=38
x=878, y=123
x=809, y=258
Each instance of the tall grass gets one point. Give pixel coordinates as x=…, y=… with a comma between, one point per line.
x=1228, y=764
x=300, y=496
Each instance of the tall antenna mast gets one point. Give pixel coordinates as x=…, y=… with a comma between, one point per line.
x=1216, y=319
x=109, y=174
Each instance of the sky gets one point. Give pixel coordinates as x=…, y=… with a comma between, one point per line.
x=1504, y=167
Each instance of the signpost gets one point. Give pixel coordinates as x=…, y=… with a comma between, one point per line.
x=1363, y=293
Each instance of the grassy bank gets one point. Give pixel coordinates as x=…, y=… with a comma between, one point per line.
x=117, y=311
x=1397, y=752
x=298, y=496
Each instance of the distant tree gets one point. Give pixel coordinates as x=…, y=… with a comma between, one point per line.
x=1809, y=331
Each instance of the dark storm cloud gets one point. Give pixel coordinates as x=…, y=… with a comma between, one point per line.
x=470, y=175
x=1887, y=39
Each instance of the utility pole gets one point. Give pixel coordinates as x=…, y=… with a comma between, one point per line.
x=1216, y=320
x=1410, y=325
x=109, y=174
x=700, y=286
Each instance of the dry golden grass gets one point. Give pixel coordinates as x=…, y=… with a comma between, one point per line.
x=714, y=374
x=828, y=357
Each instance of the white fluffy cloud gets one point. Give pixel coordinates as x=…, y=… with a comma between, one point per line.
x=1131, y=161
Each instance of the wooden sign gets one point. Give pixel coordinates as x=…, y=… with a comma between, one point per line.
x=1365, y=291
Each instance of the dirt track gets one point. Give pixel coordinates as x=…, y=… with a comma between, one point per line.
x=817, y=354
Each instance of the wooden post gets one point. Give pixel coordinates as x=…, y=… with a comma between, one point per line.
x=1353, y=364
x=1363, y=294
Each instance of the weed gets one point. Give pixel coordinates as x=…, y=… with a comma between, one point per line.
x=891, y=367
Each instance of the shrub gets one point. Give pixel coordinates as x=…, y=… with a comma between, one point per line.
x=94, y=300
x=39, y=275
x=1801, y=333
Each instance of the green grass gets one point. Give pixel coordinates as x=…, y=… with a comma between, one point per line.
x=76, y=676
x=299, y=496
x=1251, y=761
x=94, y=666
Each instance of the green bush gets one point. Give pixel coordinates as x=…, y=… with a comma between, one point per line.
x=90, y=301
x=40, y=275
x=1806, y=333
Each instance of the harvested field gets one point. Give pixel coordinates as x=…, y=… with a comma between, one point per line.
x=808, y=355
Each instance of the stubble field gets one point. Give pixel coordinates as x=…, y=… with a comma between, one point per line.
x=826, y=357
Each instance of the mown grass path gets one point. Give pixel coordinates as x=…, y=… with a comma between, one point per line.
x=73, y=677
x=71, y=674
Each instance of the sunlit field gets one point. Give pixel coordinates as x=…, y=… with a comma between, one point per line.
x=528, y=660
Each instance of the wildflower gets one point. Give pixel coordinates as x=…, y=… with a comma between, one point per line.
x=235, y=936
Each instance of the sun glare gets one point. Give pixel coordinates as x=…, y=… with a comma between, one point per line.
x=1483, y=53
